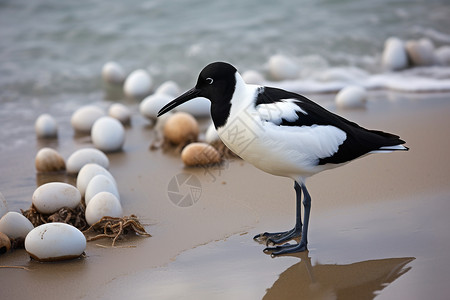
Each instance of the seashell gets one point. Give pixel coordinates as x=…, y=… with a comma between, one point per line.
x=55, y=241
x=46, y=127
x=394, y=54
x=150, y=106
x=51, y=197
x=3, y=205
x=100, y=183
x=88, y=172
x=211, y=134
x=199, y=154
x=120, y=112
x=84, y=117
x=15, y=225
x=421, y=52
x=49, y=160
x=85, y=156
x=138, y=84
x=5, y=243
x=101, y=205
x=351, y=97
x=169, y=88
x=181, y=128
x=108, y=134
x=253, y=77
x=113, y=73
x=282, y=68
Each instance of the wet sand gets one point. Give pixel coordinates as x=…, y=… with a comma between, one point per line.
x=379, y=225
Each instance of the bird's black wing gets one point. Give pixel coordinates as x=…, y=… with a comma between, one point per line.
x=359, y=140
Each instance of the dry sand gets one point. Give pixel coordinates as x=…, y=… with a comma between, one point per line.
x=378, y=226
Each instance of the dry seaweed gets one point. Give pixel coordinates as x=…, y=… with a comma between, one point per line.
x=74, y=217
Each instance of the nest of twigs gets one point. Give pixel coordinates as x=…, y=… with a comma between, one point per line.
x=116, y=227
x=107, y=227
x=75, y=217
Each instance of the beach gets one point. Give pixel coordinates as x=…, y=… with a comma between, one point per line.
x=378, y=225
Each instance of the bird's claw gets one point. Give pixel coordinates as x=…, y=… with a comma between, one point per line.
x=285, y=249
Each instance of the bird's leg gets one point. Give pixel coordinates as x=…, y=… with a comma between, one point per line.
x=302, y=246
x=277, y=238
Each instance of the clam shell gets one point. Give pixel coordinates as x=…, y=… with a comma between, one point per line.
x=49, y=160
x=198, y=154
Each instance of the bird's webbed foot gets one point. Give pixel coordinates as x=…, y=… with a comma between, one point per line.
x=286, y=249
x=277, y=238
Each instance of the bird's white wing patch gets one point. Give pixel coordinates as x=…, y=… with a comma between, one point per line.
x=285, y=109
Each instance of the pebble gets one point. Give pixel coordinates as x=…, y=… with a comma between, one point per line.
x=84, y=117
x=394, y=54
x=52, y=196
x=100, y=183
x=113, y=73
x=181, y=128
x=49, y=160
x=15, y=225
x=150, y=106
x=55, y=242
x=120, y=112
x=85, y=156
x=108, y=134
x=3, y=205
x=138, y=84
x=351, y=97
x=253, y=77
x=199, y=154
x=282, y=68
x=5, y=243
x=442, y=55
x=169, y=88
x=88, y=172
x=46, y=126
x=421, y=52
x=101, y=205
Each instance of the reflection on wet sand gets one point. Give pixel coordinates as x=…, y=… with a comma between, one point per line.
x=360, y=280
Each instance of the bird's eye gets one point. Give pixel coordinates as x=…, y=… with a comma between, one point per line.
x=209, y=80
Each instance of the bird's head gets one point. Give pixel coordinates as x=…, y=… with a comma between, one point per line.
x=216, y=82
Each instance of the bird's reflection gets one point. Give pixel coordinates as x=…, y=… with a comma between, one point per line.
x=360, y=280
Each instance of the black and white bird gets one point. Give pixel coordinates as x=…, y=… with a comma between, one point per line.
x=284, y=134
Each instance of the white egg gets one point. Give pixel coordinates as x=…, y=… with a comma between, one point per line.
x=252, y=77
x=108, y=134
x=100, y=183
x=46, y=126
x=49, y=160
x=421, y=52
x=52, y=196
x=351, y=97
x=282, y=68
x=211, y=134
x=120, y=112
x=150, y=106
x=3, y=205
x=101, y=205
x=88, y=172
x=55, y=241
x=394, y=54
x=198, y=107
x=169, y=88
x=113, y=73
x=15, y=225
x=84, y=117
x=85, y=156
x=138, y=84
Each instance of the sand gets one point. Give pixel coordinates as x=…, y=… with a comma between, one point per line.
x=378, y=227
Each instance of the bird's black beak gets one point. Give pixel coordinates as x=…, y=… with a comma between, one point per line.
x=189, y=95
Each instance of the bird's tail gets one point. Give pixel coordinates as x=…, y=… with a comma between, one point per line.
x=391, y=142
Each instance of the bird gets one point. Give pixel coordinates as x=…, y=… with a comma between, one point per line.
x=284, y=134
